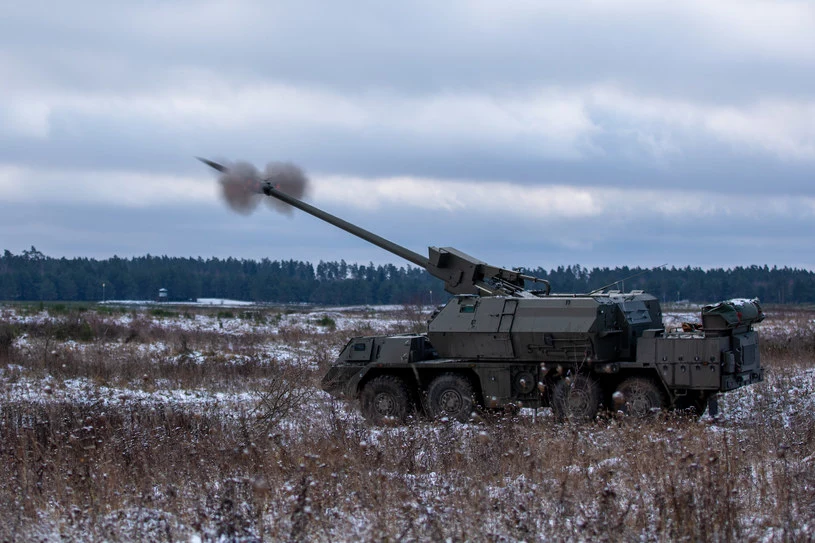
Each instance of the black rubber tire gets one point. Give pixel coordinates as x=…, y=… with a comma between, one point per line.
x=576, y=398
x=451, y=395
x=641, y=397
x=386, y=398
x=694, y=404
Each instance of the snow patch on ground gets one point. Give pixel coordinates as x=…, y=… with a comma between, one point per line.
x=83, y=391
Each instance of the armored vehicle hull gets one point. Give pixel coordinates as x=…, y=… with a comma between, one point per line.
x=575, y=354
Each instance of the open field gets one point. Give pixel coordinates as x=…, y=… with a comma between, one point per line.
x=188, y=424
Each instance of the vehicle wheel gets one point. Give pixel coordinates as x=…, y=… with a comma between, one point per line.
x=450, y=395
x=576, y=398
x=641, y=397
x=386, y=398
x=694, y=404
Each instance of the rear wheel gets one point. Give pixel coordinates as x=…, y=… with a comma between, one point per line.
x=576, y=398
x=640, y=397
x=452, y=396
x=694, y=403
x=386, y=398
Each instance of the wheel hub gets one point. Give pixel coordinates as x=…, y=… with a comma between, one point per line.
x=450, y=401
x=639, y=404
x=384, y=404
x=579, y=402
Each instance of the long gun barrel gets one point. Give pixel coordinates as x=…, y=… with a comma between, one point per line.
x=461, y=273
x=379, y=241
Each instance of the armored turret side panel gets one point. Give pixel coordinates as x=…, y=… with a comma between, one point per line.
x=551, y=329
x=531, y=329
x=474, y=327
x=563, y=329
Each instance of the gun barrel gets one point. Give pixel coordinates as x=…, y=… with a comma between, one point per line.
x=214, y=165
x=461, y=273
x=379, y=241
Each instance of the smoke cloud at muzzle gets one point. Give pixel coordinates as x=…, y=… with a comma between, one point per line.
x=242, y=185
x=287, y=178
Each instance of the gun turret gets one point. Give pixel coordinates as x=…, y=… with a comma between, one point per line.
x=461, y=273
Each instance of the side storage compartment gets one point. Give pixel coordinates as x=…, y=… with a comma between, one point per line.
x=692, y=362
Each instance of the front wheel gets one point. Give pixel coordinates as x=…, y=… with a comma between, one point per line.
x=450, y=395
x=386, y=398
x=576, y=398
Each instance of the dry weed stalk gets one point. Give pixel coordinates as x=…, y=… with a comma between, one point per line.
x=287, y=389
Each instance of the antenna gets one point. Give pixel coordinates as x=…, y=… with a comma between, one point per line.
x=624, y=279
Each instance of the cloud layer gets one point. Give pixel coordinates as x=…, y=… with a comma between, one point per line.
x=594, y=132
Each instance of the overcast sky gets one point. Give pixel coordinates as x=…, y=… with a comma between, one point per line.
x=524, y=133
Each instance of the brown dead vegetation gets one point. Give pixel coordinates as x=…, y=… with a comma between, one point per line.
x=300, y=466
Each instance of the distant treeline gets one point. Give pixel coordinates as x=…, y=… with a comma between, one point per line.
x=32, y=276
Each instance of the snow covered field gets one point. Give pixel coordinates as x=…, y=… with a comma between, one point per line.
x=157, y=423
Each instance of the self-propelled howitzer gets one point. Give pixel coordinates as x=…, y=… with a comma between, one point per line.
x=497, y=345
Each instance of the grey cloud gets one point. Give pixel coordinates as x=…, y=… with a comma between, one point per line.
x=78, y=143
x=396, y=53
x=418, y=47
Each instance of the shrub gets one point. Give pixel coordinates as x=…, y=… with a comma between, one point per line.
x=326, y=321
x=289, y=387
x=161, y=312
x=8, y=333
x=57, y=309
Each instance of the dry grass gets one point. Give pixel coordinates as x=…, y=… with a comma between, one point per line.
x=143, y=465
